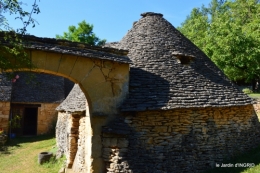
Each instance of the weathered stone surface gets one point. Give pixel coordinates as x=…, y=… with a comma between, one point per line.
x=38, y=87
x=71, y=48
x=44, y=90
x=159, y=81
x=156, y=135
x=79, y=164
x=6, y=88
x=69, y=136
x=47, y=118
x=122, y=143
x=75, y=101
x=4, y=115
x=118, y=127
x=206, y=139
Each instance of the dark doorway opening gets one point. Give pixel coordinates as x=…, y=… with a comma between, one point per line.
x=30, y=121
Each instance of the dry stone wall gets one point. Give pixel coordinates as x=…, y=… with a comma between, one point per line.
x=73, y=138
x=257, y=106
x=4, y=115
x=179, y=140
x=70, y=139
x=114, y=152
x=79, y=164
x=61, y=133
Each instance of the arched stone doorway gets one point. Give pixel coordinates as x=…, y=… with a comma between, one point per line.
x=101, y=73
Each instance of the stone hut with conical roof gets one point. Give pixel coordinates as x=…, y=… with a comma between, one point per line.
x=181, y=114
x=70, y=125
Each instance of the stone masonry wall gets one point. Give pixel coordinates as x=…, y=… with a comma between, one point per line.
x=70, y=139
x=257, y=106
x=4, y=115
x=179, y=140
x=61, y=133
x=73, y=131
x=47, y=117
x=79, y=164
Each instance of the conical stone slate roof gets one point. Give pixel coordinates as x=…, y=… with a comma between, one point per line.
x=75, y=101
x=169, y=71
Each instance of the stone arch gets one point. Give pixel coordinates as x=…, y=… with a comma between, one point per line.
x=104, y=83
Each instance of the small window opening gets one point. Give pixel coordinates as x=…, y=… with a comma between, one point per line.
x=183, y=58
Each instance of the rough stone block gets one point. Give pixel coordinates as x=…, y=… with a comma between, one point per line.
x=122, y=143
x=113, y=142
x=161, y=128
x=106, y=142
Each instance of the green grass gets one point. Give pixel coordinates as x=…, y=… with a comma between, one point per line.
x=22, y=153
x=254, y=95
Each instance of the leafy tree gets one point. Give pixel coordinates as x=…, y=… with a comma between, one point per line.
x=83, y=33
x=13, y=57
x=228, y=32
x=14, y=8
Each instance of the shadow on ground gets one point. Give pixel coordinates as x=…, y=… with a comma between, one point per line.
x=16, y=142
x=239, y=164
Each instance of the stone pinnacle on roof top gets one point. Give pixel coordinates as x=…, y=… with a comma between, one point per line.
x=151, y=14
x=159, y=81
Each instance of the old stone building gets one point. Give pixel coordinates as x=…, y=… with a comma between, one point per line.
x=70, y=126
x=5, y=94
x=33, y=97
x=152, y=102
x=181, y=113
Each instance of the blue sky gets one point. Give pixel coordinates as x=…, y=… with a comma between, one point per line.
x=111, y=18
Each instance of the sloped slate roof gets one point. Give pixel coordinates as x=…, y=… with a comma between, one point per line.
x=72, y=48
x=75, y=101
x=34, y=87
x=159, y=81
x=5, y=88
x=39, y=87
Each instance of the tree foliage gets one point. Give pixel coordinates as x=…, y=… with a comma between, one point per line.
x=15, y=9
x=83, y=33
x=229, y=33
x=13, y=56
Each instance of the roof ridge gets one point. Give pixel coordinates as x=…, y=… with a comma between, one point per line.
x=62, y=42
x=67, y=47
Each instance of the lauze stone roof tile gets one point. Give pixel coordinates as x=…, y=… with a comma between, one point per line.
x=5, y=88
x=69, y=47
x=38, y=87
x=34, y=88
x=169, y=71
x=75, y=101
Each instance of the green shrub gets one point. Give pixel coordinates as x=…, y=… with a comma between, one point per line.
x=247, y=91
